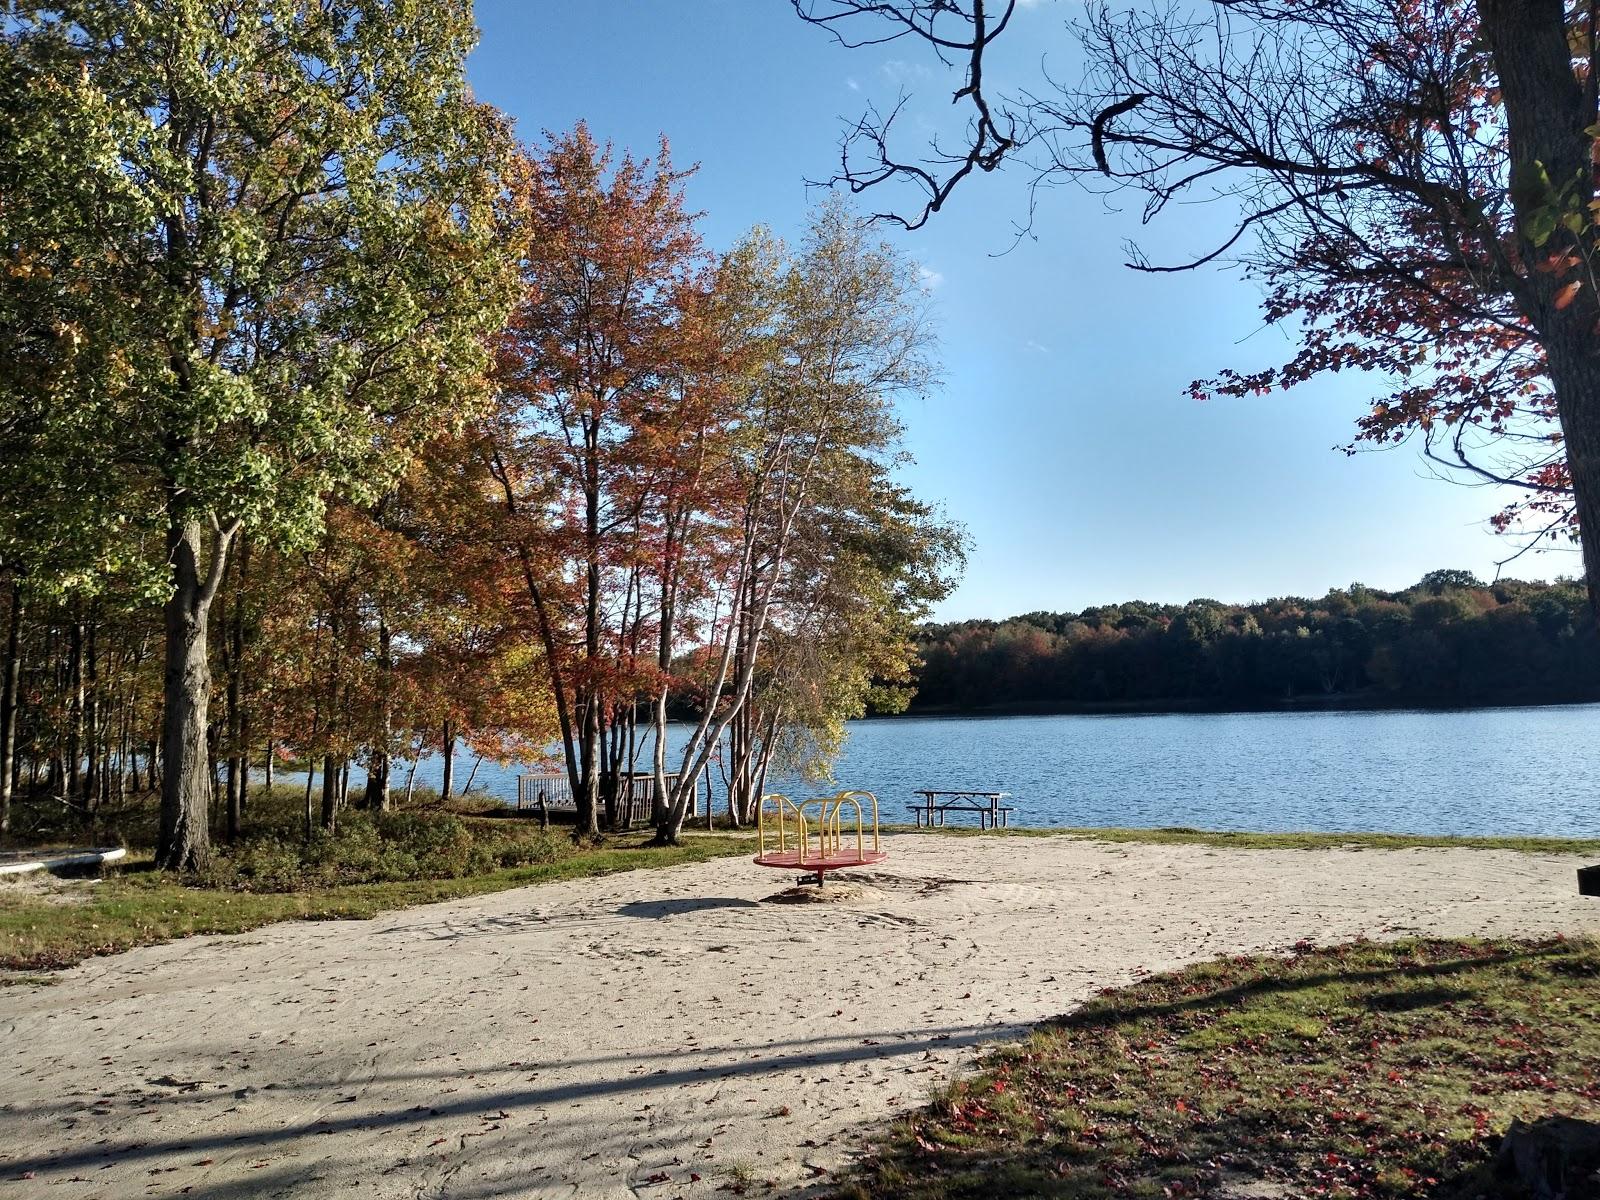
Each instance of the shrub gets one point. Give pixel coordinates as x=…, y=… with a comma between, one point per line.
x=382, y=848
x=542, y=847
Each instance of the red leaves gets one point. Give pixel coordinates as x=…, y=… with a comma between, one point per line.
x=1415, y=296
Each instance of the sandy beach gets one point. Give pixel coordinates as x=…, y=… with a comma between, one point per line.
x=657, y=1033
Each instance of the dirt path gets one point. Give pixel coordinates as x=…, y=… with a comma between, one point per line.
x=658, y=1033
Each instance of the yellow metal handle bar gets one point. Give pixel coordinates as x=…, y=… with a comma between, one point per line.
x=827, y=826
x=780, y=804
x=839, y=801
x=874, y=800
x=829, y=822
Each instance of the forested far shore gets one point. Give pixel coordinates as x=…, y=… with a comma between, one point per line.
x=1450, y=639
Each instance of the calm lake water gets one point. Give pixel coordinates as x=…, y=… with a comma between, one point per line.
x=1481, y=771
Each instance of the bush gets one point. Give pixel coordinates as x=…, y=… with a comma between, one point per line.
x=542, y=847
x=266, y=864
x=382, y=848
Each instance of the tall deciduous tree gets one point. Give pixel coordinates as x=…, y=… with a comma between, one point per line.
x=593, y=367
x=1414, y=182
x=846, y=339
x=288, y=210
x=866, y=566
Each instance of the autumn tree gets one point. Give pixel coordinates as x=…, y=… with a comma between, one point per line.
x=594, y=442
x=288, y=210
x=845, y=339
x=1413, y=183
x=405, y=630
x=867, y=564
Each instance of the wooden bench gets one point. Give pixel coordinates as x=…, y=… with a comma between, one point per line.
x=936, y=805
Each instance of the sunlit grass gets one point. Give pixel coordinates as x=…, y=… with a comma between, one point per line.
x=141, y=906
x=1228, y=839
x=1366, y=1070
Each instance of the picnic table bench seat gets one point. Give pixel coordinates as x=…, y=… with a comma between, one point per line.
x=936, y=804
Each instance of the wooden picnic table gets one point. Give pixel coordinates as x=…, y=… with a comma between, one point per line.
x=936, y=804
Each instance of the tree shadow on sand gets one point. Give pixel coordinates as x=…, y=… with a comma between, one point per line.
x=657, y=909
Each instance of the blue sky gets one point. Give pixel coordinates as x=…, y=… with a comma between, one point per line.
x=1062, y=438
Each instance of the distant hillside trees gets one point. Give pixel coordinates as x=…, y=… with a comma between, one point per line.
x=1450, y=639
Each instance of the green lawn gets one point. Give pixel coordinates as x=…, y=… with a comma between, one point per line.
x=141, y=906
x=1362, y=1071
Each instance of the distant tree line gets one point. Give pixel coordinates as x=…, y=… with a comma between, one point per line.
x=1450, y=639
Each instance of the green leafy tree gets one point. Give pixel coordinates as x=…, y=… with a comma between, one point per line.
x=845, y=339
x=865, y=567
x=284, y=214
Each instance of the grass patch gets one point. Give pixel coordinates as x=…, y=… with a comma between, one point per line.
x=1366, y=1071
x=370, y=863
x=8, y=980
x=143, y=906
x=1224, y=839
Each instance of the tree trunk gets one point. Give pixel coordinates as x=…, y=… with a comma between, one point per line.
x=184, y=841
x=1548, y=113
x=547, y=636
x=237, y=763
x=658, y=757
x=90, y=708
x=330, y=792
x=234, y=790
x=244, y=765
x=124, y=743
x=74, y=754
x=609, y=761
x=588, y=798
x=377, y=797
x=447, y=782
x=411, y=772
x=9, y=692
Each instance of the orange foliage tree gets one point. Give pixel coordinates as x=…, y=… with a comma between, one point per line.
x=606, y=437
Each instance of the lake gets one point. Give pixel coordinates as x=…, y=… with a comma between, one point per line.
x=1479, y=771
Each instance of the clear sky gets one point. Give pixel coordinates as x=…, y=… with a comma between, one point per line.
x=1062, y=437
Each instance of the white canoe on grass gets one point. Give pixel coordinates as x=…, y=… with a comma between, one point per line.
x=56, y=860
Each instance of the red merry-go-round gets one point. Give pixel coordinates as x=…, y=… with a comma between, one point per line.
x=814, y=836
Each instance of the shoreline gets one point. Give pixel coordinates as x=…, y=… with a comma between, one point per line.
x=1354, y=702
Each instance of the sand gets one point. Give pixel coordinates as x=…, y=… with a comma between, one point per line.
x=658, y=1033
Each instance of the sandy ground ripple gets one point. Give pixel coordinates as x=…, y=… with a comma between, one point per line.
x=650, y=1033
